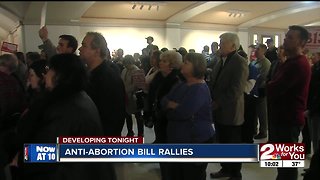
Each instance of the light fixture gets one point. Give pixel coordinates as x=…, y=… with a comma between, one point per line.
x=236, y=13
x=147, y=3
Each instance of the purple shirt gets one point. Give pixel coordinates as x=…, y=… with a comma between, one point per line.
x=191, y=121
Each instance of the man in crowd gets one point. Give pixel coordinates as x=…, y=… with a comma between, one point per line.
x=287, y=94
x=228, y=84
x=271, y=52
x=263, y=65
x=66, y=44
x=105, y=87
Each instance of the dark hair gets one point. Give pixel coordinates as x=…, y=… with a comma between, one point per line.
x=199, y=64
x=214, y=44
x=72, y=41
x=192, y=50
x=120, y=51
x=99, y=42
x=155, y=47
x=182, y=51
x=156, y=55
x=164, y=49
x=20, y=56
x=39, y=67
x=304, y=34
x=206, y=48
x=71, y=75
x=33, y=56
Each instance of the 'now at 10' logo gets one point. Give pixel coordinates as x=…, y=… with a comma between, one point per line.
x=282, y=151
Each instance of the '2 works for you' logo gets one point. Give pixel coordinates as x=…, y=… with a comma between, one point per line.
x=282, y=151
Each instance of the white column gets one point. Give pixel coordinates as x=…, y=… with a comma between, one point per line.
x=173, y=36
x=244, y=38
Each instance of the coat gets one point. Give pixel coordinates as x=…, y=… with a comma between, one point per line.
x=73, y=115
x=108, y=93
x=228, y=88
x=126, y=76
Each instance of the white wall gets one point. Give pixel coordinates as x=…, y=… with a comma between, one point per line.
x=196, y=39
x=132, y=39
x=18, y=38
x=32, y=39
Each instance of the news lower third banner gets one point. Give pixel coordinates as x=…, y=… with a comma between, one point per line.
x=141, y=153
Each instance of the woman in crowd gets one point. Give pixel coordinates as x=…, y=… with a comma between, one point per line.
x=164, y=80
x=35, y=81
x=168, y=75
x=66, y=110
x=154, y=61
x=131, y=108
x=188, y=109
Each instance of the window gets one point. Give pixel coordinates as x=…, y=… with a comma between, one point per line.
x=276, y=41
x=255, y=39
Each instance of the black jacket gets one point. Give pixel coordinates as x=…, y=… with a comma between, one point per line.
x=70, y=114
x=159, y=87
x=107, y=91
x=271, y=54
x=313, y=104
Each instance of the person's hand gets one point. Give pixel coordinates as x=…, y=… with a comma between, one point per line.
x=172, y=105
x=43, y=33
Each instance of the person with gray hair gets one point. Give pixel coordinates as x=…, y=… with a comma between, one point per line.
x=168, y=75
x=106, y=87
x=228, y=84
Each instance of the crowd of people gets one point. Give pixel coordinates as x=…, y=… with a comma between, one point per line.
x=187, y=97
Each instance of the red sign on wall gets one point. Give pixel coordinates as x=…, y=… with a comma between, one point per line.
x=9, y=47
x=314, y=42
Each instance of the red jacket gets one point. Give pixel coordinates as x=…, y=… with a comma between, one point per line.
x=288, y=92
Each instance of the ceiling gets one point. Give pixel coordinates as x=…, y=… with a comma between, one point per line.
x=258, y=14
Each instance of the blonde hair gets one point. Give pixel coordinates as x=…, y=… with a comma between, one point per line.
x=174, y=58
